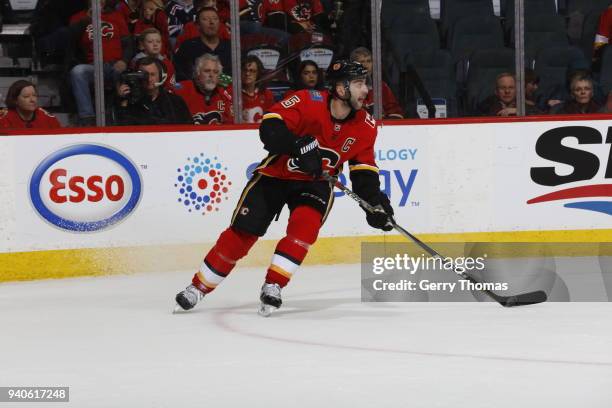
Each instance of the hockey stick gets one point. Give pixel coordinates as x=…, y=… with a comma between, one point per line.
x=522, y=299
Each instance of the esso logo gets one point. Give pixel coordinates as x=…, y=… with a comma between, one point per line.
x=85, y=187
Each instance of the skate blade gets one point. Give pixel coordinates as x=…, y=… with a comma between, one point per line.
x=178, y=309
x=266, y=310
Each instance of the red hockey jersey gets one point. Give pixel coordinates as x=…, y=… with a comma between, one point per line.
x=10, y=119
x=306, y=112
x=604, y=30
x=215, y=109
x=300, y=11
x=389, y=103
x=254, y=106
x=113, y=29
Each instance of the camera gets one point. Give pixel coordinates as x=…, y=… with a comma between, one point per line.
x=136, y=80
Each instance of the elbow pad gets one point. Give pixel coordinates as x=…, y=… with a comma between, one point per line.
x=276, y=137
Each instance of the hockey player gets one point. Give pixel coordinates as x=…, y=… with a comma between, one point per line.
x=309, y=133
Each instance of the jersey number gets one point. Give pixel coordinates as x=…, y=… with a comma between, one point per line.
x=290, y=102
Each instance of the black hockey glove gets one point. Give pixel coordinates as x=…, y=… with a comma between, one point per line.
x=380, y=218
x=308, y=156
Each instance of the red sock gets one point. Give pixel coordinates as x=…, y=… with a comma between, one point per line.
x=231, y=246
x=302, y=231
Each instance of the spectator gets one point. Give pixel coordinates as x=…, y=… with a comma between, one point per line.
x=179, y=13
x=152, y=15
x=207, y=43
x=607, y=107
x=581, y=101
x=192, y=30
x=253, y=14
x=151, y=45
x=23, y=111
x=256, y=99
x=117, y=51
x=309, y=76
x=604, y=30
x=49, y=28
x=208, y=102
x=130, y=10
x=503, y=103
x=297, y=16
x=391, y=109
x=532, y=82
x=144, y=101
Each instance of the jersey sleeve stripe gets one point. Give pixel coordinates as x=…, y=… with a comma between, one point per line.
x=272, y=116
x=358, y=167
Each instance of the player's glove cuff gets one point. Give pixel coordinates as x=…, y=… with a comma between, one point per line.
x=383, y=215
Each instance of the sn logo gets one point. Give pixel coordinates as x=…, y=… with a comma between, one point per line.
x=585, y=164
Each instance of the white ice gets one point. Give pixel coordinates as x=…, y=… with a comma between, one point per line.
x=115, y=343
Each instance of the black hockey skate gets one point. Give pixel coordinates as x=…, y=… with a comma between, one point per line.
x=270, y=299
x=188, y=298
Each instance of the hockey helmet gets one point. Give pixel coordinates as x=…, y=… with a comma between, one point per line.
x=344, y=71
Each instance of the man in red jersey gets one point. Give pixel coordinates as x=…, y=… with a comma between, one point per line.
x=308, y=133
x=116, y=52
x=208, y=102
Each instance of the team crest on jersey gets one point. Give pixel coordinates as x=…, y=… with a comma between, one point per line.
x=106, y=29
x=302, y=12
x=207, y=118
x=316, y=96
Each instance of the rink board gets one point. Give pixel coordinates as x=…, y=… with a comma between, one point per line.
x=102, y=203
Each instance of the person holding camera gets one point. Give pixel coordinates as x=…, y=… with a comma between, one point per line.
x=142, y=99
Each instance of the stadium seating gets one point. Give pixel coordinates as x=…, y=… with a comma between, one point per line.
x=542, y=31
x=532, y=7
x=484, y=66
x=453, y=10
x=552, y=64
x=474, y=32
x=396, y=13
x=436, y=70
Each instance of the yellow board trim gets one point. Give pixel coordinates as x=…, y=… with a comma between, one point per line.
x=69, y=263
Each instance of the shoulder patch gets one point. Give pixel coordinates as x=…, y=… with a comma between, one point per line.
x=316, y=95
x=3, y=112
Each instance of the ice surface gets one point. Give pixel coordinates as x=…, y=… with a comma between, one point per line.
x=114, y=341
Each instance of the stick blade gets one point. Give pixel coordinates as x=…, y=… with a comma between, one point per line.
x=524, y=299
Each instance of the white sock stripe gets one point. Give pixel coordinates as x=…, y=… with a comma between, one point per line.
x=284, y=263
x=209, y=275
